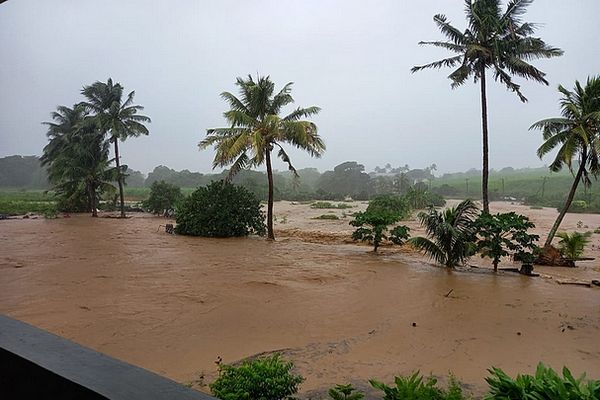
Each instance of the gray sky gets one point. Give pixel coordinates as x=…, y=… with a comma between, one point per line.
x=352, y=58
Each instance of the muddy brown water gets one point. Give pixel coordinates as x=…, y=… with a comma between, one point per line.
x=174, y=304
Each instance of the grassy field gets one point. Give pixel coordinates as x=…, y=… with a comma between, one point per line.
x=18, y=202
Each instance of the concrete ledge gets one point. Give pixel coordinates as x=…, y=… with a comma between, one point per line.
x=37, y=364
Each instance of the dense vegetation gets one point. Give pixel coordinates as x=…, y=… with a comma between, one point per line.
x=220, y=210
x=163, y=198
x=271, y=378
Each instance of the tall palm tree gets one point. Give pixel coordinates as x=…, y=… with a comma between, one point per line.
x=450, y=233
x=577, y=136
x=255, y=129
x=496, y=40
x=77, y=157
x=116, y=118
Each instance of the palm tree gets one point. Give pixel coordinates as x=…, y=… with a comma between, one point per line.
x=577, y=136
x=494, y=40
x=573, y=244
x=450, y=233
x=77, y=158
x=256, y=129
x=117, y=118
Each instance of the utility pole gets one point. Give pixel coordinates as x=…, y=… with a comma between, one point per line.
x=503, y=193
x=544, y=185
x=467, y=182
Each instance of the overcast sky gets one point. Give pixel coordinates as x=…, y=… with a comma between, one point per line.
x=351, y=58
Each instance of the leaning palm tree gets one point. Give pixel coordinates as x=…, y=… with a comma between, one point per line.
x=577, y=136
x=77, y=158
x=255, y=129
x=116, y=118
x=494, y=40
x=450, y=233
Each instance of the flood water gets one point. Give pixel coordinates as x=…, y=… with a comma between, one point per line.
x=174, y=304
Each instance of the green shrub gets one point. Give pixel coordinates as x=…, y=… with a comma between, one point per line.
x=345, y=392
x=546, y=384
x=373, y=227
x=390, y=203
x=261, y=379
x=163, y=198
x=414, y=388
x=327, y=216
x=220, y=210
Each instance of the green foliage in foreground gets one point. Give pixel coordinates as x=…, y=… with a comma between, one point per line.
x=373, y=228
x=220, y=210
x=261, y=379
x=572, y=245
x=163, y=197
x=415, y=388
x=546, y=384
x=345, y=392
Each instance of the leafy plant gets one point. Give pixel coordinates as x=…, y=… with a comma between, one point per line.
x=261, y=379
x=419, y=199
x=450, y=234
x=415, y=388
x=572, y=245
x=345, y=392
x=373, y=228
x=220, y=210
x=501, y=233
x=546, y=384
x=163, y=197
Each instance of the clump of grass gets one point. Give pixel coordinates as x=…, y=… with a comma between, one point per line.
x=327, y=204
x=536, y=207
x=327, y=216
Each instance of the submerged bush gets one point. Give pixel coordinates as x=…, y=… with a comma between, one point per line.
x=220, y=210
x=572, y=245
x=391, y=204
x=261, y=379
x=345, y=392
x=373, y=228
x=327, y=204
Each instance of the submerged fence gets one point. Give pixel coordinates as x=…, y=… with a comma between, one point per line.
x=35, y=364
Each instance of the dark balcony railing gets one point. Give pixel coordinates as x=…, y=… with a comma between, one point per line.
x=35, y=364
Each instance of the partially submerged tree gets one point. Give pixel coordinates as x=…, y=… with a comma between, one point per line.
x=116, y=117
x=576, y=134
x=256, y=128
x=162, y=199
x=373, y=228
x=503, y=234
x=496, y=40
x=450, y=234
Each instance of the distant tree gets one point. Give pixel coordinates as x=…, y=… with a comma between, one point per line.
x=395, y=205
x=500, y=234
x=450, y=234
x=494, y=40
x=576, y=134
x=163, y=198
x=116, y=117
x=255, y=129
x=347, y=179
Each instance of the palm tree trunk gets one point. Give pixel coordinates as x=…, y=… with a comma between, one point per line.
x=270, y=234
x=92, y=194
x=570, y=197
x=484, y=123
x=119, y=177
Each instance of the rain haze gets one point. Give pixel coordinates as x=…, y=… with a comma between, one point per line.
x=351, y=58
